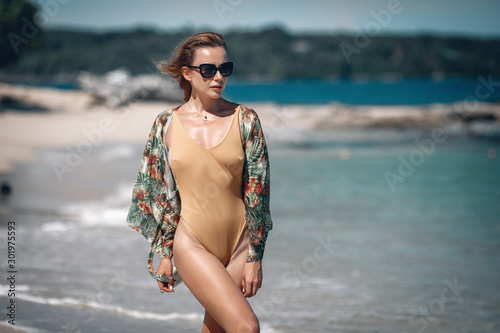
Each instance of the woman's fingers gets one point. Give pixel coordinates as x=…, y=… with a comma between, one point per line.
x=166, y=287
x=244, y=286
x=251, y=278
x=250, y=287
x=165, y=269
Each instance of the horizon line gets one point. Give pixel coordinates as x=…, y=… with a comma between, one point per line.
x=267, y=27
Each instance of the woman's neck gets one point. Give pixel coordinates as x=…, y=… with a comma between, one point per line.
x=206, y=104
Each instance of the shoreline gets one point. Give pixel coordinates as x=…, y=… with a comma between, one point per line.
x=32, y=118
x=9, y=328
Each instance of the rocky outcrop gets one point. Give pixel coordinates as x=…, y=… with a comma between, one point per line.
x=119, y=87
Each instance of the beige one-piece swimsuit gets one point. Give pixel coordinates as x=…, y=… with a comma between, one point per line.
x=209, y=182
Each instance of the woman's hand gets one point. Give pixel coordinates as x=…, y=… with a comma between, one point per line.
x=165, y=267
x=251, y=279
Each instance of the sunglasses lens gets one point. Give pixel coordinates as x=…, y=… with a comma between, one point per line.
x=207, y=70
x=226, y=69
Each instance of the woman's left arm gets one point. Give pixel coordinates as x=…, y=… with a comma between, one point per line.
x=251, y=278
x=256, y=176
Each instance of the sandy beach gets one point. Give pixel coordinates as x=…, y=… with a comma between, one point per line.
x=34, y=117
x=64, y=118
x=8, y=328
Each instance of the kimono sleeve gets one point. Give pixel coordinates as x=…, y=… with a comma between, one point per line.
x=150, y=212
x=256, y=177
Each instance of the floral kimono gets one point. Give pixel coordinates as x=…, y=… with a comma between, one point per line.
x=155, y=207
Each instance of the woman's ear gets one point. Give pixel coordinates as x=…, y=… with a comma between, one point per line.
x=186, y=73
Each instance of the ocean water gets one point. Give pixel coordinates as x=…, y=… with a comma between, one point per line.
x=367, y=92
x=348, y=252
x=406, y=91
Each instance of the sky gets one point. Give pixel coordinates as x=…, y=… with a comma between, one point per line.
x=446, y=17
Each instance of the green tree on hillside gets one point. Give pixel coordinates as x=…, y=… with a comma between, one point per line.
x=18, y=30
x=271, y=54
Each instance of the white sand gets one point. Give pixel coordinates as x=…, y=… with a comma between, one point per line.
x=68, y=122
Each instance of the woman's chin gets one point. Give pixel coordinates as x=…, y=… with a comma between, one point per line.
x=213, y=93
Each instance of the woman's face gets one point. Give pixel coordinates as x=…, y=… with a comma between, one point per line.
x=211, y=87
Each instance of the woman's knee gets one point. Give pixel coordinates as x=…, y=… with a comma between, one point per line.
x=249, y=325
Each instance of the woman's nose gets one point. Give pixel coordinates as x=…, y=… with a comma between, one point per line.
x=218, y=75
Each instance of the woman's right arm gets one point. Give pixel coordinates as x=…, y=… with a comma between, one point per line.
x=150, y=212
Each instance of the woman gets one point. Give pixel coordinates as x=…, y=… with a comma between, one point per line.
x=202, y=192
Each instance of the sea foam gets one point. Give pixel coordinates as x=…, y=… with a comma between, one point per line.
x=139, y=314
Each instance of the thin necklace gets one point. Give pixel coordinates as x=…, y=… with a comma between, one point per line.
x=202, y=117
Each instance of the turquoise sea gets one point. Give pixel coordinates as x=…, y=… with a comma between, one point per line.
x=367, y=92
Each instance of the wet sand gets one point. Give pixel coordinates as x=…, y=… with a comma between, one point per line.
x=8, y=328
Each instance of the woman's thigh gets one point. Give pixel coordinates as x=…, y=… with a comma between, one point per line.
x=211, y=283
x=238, y=259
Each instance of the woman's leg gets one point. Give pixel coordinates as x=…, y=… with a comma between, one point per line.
x=234, y=268
x=217, y=289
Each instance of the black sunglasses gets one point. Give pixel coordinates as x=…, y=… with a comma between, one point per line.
x=209, y=70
